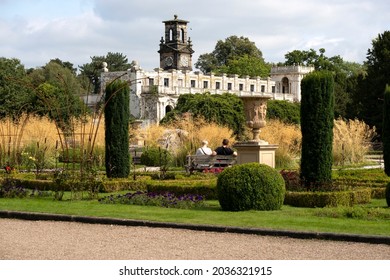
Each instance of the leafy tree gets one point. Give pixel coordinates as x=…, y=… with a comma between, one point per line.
x=386, y=130
x=312, y=58
x=231, y=55
x=92, y=71
x=225, y=109
x=371, y=93
x=246, y=66
x=117, y=113
x=15, y=95
x=65, y=64
x=57, y=94
x=345, y=75
x=317, y=127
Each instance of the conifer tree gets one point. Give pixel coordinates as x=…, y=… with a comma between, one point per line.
x=317, y=114
x=386, y=130
x=117, y=113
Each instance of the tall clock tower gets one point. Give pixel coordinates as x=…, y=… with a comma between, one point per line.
x=175, y=49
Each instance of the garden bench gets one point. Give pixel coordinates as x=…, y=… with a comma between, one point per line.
x=206, y=162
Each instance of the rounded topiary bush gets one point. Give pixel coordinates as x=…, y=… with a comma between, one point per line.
x=387, y=194
x=250, y=186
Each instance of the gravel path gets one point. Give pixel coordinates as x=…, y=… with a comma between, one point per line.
x=37, y=240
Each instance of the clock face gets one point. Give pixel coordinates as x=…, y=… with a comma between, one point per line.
x=168, y=61
x=184, y=61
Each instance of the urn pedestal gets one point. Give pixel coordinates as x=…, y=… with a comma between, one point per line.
x=255, y=150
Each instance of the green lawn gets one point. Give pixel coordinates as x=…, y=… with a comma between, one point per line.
x=288, y=218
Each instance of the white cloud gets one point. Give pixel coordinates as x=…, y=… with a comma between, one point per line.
x=37, y=31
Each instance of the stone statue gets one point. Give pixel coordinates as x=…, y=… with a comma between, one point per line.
x=105, y=69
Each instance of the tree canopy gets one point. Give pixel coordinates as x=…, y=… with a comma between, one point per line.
x=235, y=55
x=57, y=93
x=345, y=75
x=225, y=109
x=115, y=62
x=368, y=88
x=378, y=75
x=15, y=96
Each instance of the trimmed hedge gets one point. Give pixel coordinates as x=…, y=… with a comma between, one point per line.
x=250, y=186
x=378, y=193
x=206, y=188
x=331, y=199
x=121, y=185
x=105, y=186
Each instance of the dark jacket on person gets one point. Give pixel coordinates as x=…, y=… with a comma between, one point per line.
x=224, y=151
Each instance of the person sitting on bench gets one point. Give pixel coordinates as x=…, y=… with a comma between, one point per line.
x=204, y=150
x=225, y=150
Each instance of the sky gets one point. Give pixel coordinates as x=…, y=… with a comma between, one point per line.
x=35, y=31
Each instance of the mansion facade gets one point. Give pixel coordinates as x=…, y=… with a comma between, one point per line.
x=155, y=93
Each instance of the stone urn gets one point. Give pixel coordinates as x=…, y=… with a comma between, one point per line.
x=255, y=108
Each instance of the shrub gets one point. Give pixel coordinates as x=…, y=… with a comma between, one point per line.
x=225, y=109
x=120, y=185
x=154, y=156
x=317, y=105
x=250, y=186
x=385, y=131
x=292, y=180
x=331, y=199
x=117, y=114
x=378, y=193
x=206, y=188
x=12, y=191
x=355, y=212
x=284, y=111
x=387, y=194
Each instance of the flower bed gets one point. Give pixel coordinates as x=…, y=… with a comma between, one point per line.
x=165, y=199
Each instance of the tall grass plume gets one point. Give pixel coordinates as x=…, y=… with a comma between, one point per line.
x=351, y=141
x=288, y=138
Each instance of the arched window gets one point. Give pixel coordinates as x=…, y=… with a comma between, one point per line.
x=182, y=35
x=170, y=34
x=285, y=85
x=168, y=108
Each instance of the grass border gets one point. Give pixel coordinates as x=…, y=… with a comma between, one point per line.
x=210, y=228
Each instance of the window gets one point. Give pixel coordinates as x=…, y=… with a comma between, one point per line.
x=192, y=83
x=170, y=34
x=166, y=82
x=263, y=88
x=285, y=85
x=229, y=86
x=168, y=108
x=205, y=84
x=217, y=85
x=241, y=87
x=252, y=88
x=151, y=81
x=182, y=35
x=273, y=89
